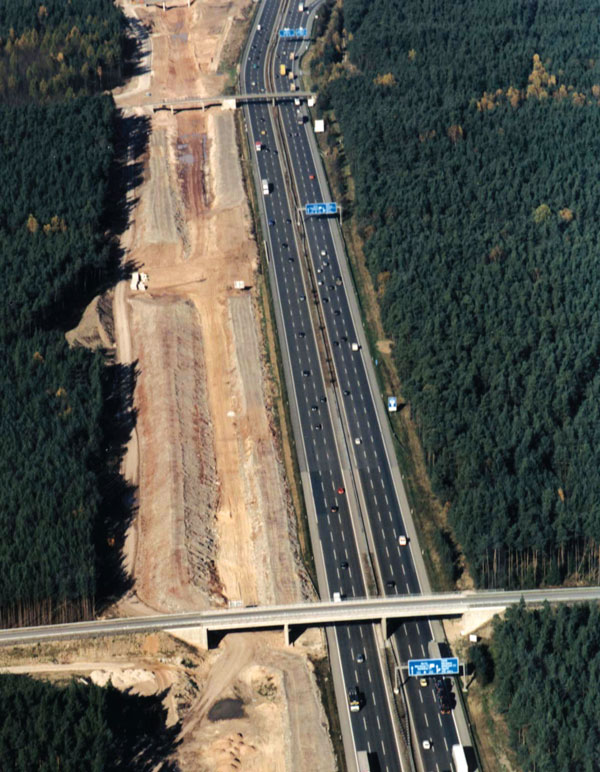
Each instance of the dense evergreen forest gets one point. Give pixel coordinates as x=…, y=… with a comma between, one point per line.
x=471, y=130
x=55, y=48
x=54, y=466
x=56, y=161
x=79, y=728
x=544, y=682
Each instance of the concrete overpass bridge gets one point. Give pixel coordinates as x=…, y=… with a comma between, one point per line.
x=226, y=101
x=301, y=615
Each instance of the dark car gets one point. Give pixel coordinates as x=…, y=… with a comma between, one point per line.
x=346, y=393
x=306, y=373
x=390, y=584
x=337, y=312
x=314, y=408
x=301, y=334
x=334, y=508
x=344, y=564
x=271, y=222
x=322, y=399
x=318, y=427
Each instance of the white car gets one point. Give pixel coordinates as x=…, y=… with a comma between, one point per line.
x=402, y=540
x=357, y=441
x=426, y=745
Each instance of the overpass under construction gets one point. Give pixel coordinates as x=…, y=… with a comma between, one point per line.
x=302, y=615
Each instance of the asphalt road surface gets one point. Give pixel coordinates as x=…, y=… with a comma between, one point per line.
x=372, y=726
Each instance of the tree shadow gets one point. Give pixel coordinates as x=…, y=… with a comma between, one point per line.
x=117, y=507
x=141, y=738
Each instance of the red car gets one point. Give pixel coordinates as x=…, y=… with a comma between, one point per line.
x=341, y=490
x=311, y=176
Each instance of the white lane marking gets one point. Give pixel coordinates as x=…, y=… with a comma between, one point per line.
x=426, y=719
x=378, y=724
x=410, y=650
x=440, y=719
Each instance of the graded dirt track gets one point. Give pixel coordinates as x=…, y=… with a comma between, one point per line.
x=213, y=521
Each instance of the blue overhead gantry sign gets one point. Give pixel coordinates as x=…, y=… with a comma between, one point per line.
x=330, y=208
x=433, y=667
x=291, y=33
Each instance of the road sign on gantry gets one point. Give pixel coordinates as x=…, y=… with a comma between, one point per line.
x=433, y=667
x=325, y=208
x=286, y=32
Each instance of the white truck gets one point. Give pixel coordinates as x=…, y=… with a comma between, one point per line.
x=459, y=760
x=265, y=187
x=362, y=758
x=300, y=7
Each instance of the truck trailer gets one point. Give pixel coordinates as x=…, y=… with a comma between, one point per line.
x=363, y=761
x=459, y=760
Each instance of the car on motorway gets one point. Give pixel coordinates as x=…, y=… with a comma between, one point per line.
x=323, y=253
x=284, y=244
x=271, y=223
x=355, y=700
x=341, y=490
x=344, y=564
x=334, y=508
x=290, y=259
x=336, y=343
x=402, y=540
x=325, y=300
x=357, y=441
x=301, y=334
x=423, y=682
x=426, y=745
x=318, y=427
x=346, y=393
x=360, y=658
x=314, y=408
x=322, y=399
x=311, y=176
x=306, y=373
x=390, y=584
x=337, y=312
x=302, y=297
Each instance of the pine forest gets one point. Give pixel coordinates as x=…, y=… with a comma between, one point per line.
x=471, y=130
x=56, y=155
x=544, y=684
x=80, y=727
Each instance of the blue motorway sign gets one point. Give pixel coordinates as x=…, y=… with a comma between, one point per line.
x=289, y=32
x=330, y=208
x=433, y=667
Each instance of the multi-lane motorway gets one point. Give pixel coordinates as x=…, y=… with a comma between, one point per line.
x=336, y=414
